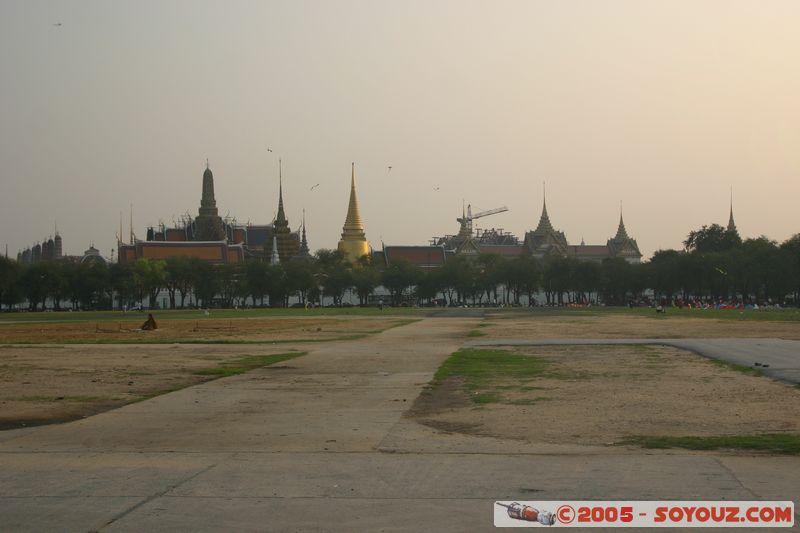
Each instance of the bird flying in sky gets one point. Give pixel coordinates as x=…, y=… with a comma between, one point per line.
x=314, y=187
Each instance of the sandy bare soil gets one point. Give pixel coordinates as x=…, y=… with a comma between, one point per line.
x=599, y=395
x=511, y=326
x=46, y=384
x=41, y=385
x=202, y=329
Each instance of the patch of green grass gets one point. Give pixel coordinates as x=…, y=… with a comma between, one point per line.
x=246, y=364
x=486, y=397
x=769, y=442
x=487, y=371
x=45, y=399
x=481, y=365
x=750, y=371
x=476, y=333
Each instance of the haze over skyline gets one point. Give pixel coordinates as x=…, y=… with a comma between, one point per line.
x=662, y=106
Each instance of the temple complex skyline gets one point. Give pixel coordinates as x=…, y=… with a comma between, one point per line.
x=660, y=106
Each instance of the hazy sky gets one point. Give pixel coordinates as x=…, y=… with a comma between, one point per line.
x=660, y=105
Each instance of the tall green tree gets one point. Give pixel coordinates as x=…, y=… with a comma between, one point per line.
x=663, y=274
x=300, y=278
x=149, y=277
x=333, y=274
x=206, y=283
x=120, y=277
x=791, y=252
x=713, y=238
x=399, y=278
x=179, y=279
x=10, y=272
x=365, y=280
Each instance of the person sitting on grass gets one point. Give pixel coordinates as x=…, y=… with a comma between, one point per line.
x=150, y=323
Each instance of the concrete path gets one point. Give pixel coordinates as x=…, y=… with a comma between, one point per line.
x=319, y=443
x=782, y=356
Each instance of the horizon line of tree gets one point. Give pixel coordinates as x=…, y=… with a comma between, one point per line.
x=715, y=265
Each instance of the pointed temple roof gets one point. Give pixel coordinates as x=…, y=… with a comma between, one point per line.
x=622, y=244
x=208, y=224
x=353, y=242
x=545, y=225
x=622, y=234
x=353, y=220
x=280, y=219
x=304, y=252
x=208, y=204
x=731, y=223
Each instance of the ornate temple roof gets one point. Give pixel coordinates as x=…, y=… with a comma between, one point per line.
x=545, y=225
x=622, y=234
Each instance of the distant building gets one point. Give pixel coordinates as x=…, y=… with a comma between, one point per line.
x=211, y=238
x=422, y=256
x=546, y=240
x=50, y=249
x=541, y=242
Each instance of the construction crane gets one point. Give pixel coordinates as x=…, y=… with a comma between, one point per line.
x=466, y=218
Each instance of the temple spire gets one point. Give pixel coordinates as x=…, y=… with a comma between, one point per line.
x=622, y=233
x=544, y=220
x=208, y=204
x=303, y=251
x=353, y=242
x=353, y=220
x=208, y=224
x=280, y=220
x=731, y=223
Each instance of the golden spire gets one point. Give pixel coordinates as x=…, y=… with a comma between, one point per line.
x=353, y=220
x=353, y=242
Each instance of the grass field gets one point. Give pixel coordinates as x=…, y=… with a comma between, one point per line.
x=197, y=314
x=771, y=442
x=487, y=372
x=788, y=314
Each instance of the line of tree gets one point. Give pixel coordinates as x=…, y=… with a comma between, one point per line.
x=715, y=265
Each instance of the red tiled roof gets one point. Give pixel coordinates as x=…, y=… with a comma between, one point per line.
x=416, y=255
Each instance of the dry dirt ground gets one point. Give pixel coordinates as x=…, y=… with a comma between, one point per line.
x=41, y=384
x=598, y=395
x=202, y=329
x=602, y=394
x=592, y=395
x=610, y=326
